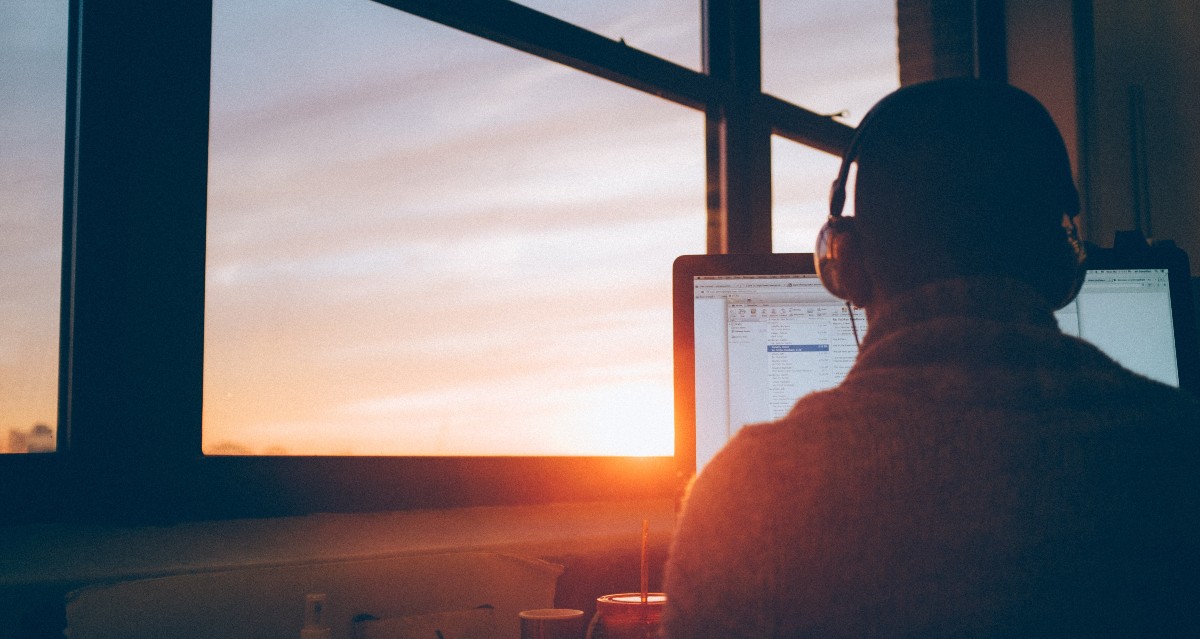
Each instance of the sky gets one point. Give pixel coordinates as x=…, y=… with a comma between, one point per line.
x=422, y=242
x=33, y=53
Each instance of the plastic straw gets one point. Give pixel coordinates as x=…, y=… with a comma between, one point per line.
x=645, y=564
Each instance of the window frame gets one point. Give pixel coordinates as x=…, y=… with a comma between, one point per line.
x=134, y=203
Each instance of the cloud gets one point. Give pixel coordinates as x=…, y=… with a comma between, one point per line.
x=402, y=216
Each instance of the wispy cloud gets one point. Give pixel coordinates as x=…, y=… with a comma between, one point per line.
x=471, y=256
x=415, y=233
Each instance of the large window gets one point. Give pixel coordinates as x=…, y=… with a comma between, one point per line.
x=424, y=243
x=33, y=70
x=377, y=254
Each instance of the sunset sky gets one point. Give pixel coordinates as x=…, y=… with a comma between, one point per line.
x=33, y=54
x=422, y=242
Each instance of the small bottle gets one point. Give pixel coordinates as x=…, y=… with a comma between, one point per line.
x=626, y=616
x=314, y=618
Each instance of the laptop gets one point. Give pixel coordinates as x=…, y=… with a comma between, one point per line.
x=754, y=333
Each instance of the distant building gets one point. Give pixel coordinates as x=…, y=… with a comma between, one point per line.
x=16, y=442
x=39, y=439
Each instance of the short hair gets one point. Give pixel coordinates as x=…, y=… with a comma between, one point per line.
x=962, y=177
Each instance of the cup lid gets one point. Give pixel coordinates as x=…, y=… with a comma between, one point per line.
x=653, y=598
x=550, y=613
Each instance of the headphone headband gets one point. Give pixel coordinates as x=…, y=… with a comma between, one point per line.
x=837, y=190
x=838, y=253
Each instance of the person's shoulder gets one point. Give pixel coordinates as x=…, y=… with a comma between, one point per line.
x=1115, y=385
x=1168, y=404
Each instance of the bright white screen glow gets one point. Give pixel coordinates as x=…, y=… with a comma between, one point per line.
x=763, y=342
x=1127, y=314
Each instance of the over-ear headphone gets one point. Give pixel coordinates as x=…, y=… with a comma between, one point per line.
x=838, y=254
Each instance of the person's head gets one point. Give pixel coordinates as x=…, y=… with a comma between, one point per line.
x=956, y=178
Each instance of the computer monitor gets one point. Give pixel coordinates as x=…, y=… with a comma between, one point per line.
x=754, y=333
x=1127, y=313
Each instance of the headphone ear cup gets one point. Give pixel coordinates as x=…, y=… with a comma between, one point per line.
x=1074, y=270
x=838, y=259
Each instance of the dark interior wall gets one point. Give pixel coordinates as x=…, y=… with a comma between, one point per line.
x=1120, y=79
x=1041, y=60
x=1143, y=145
x=935, y=39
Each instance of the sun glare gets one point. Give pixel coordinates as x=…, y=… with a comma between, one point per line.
x=630, y=419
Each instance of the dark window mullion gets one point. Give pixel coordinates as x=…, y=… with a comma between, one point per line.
x=739, y=139
x=821, y=132
x=133, y=307
x=520, y=27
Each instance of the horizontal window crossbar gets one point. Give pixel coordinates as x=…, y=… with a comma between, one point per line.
x=525, y=29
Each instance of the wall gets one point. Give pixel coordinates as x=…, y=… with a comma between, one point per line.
x=1138, y=164
x=1041, y=60
x=1154, y=46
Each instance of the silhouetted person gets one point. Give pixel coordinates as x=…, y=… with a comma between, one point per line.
x=978, y=473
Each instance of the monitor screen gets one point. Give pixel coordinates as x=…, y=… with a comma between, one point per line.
x=762, y=342
x=753, y=335
x=1127, y=314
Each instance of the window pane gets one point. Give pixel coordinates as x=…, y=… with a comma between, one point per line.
x=830, y=57
x=800, y=178
x=421, y=242
x=33, y=71
x=669, y=29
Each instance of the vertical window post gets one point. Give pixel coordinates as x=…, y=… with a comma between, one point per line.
x=991, y=50
x=738, y=142
x=133, y=290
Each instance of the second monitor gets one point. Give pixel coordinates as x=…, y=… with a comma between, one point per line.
x=755, y=333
